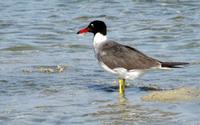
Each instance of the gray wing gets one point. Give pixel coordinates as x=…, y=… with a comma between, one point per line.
x=116, y=55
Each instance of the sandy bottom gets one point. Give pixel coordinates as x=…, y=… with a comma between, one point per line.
x=175, y=95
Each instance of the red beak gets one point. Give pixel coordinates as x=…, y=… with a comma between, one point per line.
x=84, y=30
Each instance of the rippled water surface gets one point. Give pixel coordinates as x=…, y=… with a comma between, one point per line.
x=49, y=75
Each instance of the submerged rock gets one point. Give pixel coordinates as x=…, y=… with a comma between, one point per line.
x=179, y=94
x=46, y=69
x=51, y=69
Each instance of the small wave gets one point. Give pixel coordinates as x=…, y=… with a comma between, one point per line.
x=178, y=18
x=78, y=46
x=85, y=18
x=5, y=24
x=20, y=48
x=190, y=45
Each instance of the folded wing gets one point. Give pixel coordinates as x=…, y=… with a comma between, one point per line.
x=116, y=55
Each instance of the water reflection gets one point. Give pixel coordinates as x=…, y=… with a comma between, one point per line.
x=125, y=112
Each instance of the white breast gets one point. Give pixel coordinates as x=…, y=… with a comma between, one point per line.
x=98, y=40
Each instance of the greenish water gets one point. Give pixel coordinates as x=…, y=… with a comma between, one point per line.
x=36, y=37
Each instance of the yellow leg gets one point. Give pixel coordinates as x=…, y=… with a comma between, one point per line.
x=121, y=86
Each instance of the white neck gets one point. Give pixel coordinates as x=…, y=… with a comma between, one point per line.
x=98, y=40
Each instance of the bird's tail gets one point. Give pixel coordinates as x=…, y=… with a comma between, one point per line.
x=173, y=64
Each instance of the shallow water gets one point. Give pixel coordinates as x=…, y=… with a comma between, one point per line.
x=42, y=34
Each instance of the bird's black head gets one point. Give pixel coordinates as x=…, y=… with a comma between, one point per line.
x=94, y=27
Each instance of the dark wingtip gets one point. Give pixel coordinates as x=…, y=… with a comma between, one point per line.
x=78, y=32
x=174, y=64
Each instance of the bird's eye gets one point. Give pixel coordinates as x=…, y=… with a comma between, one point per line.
x=92, y=25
